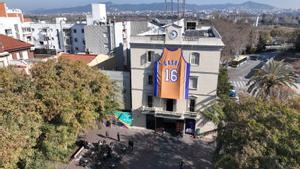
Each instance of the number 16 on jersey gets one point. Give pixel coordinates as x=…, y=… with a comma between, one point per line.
x=171, y=75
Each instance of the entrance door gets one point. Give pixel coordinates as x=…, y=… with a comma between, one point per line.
x=169, y=104
x=190, y=126
x=150, y=122
x=179, y=126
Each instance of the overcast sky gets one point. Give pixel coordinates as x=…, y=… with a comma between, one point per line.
x=35, y=4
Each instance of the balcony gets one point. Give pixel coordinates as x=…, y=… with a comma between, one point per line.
x=159, y=112
x=186, y=40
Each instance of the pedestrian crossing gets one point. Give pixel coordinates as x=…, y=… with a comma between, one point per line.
x=241, y=84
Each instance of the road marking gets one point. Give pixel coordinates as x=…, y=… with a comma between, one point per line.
x=242, y=84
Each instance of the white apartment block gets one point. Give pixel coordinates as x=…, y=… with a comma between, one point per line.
x=201, y=47
x=60, y=36
x=13, y=24
x=98, y=14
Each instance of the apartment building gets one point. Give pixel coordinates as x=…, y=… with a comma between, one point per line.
x=201, y=50
x=13, y=24
x=59, y=36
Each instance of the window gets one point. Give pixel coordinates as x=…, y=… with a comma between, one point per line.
x=195, y=58
x=82, y=30
x=170, y=104
x=149, y=56
x=8, y=31
x=150, y=101
x=76, y=48
x=2, y=64
x=193, y=82
x=21, y=55
x=143, y=59
x=41, y=43
x=192, y=105
x=150, y=80
x=83, y=41
x=74, y=30
x=75, y=39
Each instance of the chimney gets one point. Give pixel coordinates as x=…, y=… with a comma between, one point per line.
x=1, y=47
x=3, y=9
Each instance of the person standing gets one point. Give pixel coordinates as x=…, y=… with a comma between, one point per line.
x=118, y=136
x=106, y=134
x=181, y=164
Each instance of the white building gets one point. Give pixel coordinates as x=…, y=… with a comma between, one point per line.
x=201, y=48
x=59, y=36
x=107, y=37
x=13, y=24
x=98, y=14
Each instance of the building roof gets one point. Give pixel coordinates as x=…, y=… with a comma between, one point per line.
x=85, y=58
x=10, y=44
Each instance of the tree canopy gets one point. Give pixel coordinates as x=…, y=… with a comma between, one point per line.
x=259, y=135
x=271, y=78
x=42, y=114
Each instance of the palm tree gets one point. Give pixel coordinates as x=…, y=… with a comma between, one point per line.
x=271, y=78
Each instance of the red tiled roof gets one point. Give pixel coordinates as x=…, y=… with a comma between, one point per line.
x=27, y=20
x=11, y=45
x=85, y=58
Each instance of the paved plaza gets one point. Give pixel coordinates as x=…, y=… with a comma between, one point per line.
x=155, y=151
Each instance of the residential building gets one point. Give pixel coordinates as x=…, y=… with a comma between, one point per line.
x=59, y=36
x=13, y=23
x=121, y=79
x=77, y=39
x=89, y=59
x=201, y=49
x=98, y=14
x=15, y=53
x=107, y=36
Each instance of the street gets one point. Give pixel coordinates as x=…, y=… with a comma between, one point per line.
x=239, y=76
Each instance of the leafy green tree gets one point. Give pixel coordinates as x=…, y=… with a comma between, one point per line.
x=297, y=43
x=259, y=134
x=72, y=97
x=263, y=40
x=41, y=115
x=19, y=121
x=223, y=83
x=272, y=77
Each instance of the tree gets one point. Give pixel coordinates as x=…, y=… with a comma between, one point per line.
x=259, y=134
x=41, y=115
x=297, y=43
x=20, y=123
x=263, y=40
x=271, y=78
x=223, y=83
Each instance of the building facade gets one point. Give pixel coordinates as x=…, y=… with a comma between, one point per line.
x=201, y=48
x=13, y=24
x=59, y=36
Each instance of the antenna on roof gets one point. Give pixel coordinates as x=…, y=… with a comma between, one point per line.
x=166, y=5
x=172, y=7
x=183, y=10
x=178, y=8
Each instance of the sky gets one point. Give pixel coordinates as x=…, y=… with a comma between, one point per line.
x=27, y=5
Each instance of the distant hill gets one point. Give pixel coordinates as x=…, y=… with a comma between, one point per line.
x=247, y=6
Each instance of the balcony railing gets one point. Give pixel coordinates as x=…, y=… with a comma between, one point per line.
x=159, y=111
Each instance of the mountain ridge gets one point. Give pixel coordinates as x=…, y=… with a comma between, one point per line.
x=248, y=5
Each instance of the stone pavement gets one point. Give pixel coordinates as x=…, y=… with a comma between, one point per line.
x=155, y=151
